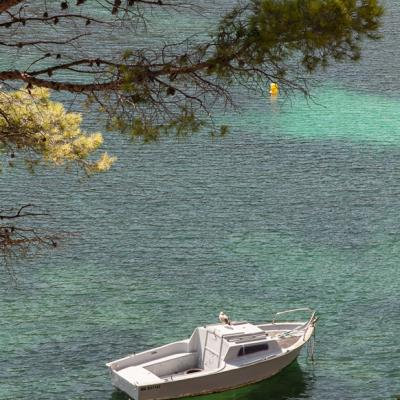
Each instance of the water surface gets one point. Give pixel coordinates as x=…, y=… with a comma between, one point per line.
x=299, y=206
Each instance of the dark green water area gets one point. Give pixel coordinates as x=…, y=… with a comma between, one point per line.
x=298, y=206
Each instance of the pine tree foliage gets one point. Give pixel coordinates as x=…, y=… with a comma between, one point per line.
x=173, y=86
x=41, y=130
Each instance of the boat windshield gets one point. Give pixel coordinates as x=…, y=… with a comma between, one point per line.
x=254, y=348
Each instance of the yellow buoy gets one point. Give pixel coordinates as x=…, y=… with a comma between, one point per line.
x=273, y=89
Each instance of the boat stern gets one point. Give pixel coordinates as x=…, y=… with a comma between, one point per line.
x=125, y=386
x=134, y=380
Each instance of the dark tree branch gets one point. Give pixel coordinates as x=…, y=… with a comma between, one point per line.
x=56, y=85
x=21, y=240
x=41, y=42
x=19, y=213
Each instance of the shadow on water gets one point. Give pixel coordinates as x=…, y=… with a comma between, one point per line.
x=292, y=383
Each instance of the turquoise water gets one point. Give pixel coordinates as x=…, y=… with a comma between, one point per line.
x=298, y=206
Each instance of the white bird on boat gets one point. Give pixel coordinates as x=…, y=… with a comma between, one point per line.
x=223, y=318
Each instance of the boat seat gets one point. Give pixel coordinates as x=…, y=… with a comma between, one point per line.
x=169, y=358
x=139, y=376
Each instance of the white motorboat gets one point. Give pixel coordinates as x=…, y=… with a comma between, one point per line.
x=215, y=358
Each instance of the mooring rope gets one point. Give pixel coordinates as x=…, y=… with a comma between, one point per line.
x=311, y=347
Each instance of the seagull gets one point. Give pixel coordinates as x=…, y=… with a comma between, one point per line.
x=223, y=318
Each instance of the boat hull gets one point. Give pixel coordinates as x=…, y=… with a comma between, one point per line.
x=210, y=383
